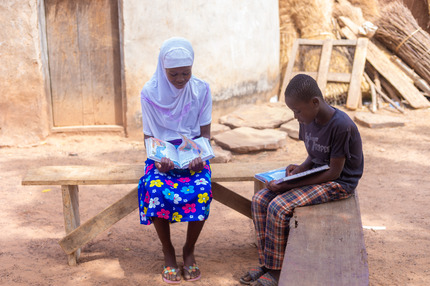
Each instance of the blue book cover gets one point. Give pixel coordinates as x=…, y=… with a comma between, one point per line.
x=280, y=175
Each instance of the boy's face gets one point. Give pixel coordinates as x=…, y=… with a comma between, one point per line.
x=179, y=76
x=304, y=111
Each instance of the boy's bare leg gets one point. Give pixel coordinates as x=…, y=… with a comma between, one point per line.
x=162, y=227
x=193, y=233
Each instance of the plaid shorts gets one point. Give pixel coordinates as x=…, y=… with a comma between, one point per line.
x=271, y=213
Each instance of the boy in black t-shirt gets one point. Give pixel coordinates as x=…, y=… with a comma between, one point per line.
x=330, y=137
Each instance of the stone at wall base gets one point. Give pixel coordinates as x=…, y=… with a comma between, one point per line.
x=292, y=128
x=372, y=120
x=246, y=139
x=218, y=128
x=269, y=115
x=221, y=155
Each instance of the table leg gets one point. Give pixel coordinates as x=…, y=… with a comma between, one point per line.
x=71, y=215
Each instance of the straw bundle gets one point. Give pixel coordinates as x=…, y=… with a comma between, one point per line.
x=313, y=19
x=399, y=31
x=346, y=9
x=370, y=8
x=288, y=33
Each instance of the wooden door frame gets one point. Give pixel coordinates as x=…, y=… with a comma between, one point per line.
x=47, y=77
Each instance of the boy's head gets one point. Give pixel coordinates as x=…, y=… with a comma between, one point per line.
x=303, y=97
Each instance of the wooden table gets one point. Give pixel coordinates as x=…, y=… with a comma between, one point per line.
x=70, y=177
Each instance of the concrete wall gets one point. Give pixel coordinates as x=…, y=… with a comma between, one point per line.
x=23, y=105
x=236, y=45
x=236, y=50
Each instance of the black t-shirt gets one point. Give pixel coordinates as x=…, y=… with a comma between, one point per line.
x=338, y=138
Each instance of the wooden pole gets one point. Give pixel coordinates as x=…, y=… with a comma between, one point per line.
x=373, y=93
x=384, y=95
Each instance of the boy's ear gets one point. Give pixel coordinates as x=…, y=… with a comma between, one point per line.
x=316, y=101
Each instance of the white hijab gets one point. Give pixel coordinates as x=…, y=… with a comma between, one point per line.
x=167, y=110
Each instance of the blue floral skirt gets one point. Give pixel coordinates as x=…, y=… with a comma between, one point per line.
x=178, y=195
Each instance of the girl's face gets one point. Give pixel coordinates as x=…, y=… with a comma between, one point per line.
x=179, y=76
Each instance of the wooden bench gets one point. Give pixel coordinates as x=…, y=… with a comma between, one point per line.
x=70, y=177
x=326, y=246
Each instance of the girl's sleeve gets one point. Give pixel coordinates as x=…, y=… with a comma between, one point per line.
x=146, y=118
x=205, y=115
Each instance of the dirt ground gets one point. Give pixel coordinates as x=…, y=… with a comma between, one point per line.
x=394, y=192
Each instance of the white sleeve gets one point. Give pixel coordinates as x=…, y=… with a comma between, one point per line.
x=145, y=117
x=205, y=114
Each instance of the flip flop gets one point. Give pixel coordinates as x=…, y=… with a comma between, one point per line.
x=266, y=280
x=191, y=269
x=171, y=270
x=254, y=273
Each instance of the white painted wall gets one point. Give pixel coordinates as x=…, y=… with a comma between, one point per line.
x=236, y=45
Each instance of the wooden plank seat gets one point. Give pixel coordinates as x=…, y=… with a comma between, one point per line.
x=326, y=246
x=70, y=177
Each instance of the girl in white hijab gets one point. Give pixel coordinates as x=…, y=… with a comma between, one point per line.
x=175, y=101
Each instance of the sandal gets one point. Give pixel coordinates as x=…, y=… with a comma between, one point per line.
x=254, y=274
x=171, y=270
x=190, y=270
x=266, y=280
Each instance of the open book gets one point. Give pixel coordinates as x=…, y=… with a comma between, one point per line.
x=181, y=156
x=280, y=177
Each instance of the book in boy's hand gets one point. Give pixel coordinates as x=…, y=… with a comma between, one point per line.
x=280, y=177
x=181, y=155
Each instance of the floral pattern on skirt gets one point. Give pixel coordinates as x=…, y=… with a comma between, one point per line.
x=178, y=195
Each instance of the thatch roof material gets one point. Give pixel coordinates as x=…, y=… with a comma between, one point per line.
x=288, y=33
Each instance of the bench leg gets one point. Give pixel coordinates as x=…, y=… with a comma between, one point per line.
x=99, y=223
x=258, y=185
x=71, y=215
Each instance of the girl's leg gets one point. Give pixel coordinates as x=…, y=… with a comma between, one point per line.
x=162, y=227
x=193, y=232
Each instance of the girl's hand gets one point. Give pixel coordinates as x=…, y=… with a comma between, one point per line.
x=292, y=169
x=272, y=186
x=197, y=164
x=165, y=165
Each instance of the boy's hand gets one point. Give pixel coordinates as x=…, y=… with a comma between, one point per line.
x=197, y=164
x=292, y=169
x=165, y=165
x=272, y=186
